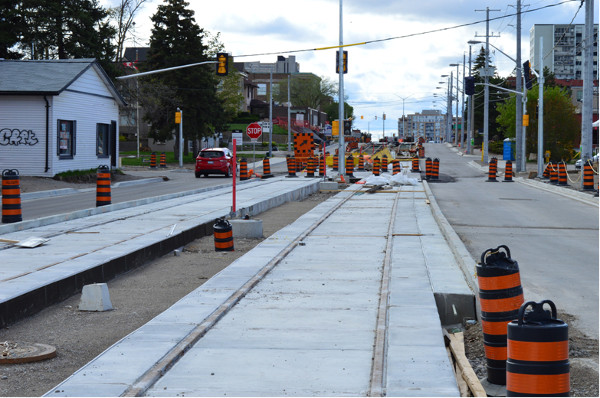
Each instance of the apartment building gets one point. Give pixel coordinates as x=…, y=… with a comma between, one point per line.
x=429, y=124
x=562, y=48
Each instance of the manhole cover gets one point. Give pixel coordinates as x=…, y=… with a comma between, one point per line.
x=19, y=352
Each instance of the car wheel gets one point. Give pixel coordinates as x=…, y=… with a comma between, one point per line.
x=197, y=175
x=228, y=172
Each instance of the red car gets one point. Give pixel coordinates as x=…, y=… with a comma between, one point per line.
x=214, y=161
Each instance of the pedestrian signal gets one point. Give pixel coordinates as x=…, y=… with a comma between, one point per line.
x=347, y=127
x=527, y=75
x=337, y=61
x=222, y=64
x=469, y=85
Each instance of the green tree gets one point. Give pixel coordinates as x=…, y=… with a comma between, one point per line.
x=560, y=122
x=11, y=23
x=333, y=111
x=66, y=29
x=307, y=91
x=177, y=40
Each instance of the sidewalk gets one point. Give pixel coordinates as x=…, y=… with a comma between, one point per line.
x=298, y=315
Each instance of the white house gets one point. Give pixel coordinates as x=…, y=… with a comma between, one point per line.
x=57, y=115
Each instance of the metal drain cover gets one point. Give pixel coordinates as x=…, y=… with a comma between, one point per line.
x=20, y=352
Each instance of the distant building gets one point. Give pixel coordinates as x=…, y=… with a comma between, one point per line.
x=562, y=49
x=429, y=124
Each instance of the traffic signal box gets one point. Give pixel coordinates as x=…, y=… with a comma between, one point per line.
x=347, y=128
x=304, y=147
x=337, y=61
x=527, y=75
x=469, y=85
x=222, y=64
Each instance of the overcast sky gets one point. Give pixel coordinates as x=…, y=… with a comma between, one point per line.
x=379, y=74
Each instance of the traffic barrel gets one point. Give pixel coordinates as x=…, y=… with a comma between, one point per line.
x=223, y=235
x=538, y=353
x=428, y=168
x=493, y=169
x=243, y=169
x=266, y=168
x=508, y=172
x=361, y=162
x=396, y=168
x=384, y=164
x=335, y=162
x=553, y=173
x=500, y=296
x=376, y=166
x=310, y=167
x=153, y=160
x=415, y=165
x=103, y=186
x=291, y=166
x=421, y=151
x=350, y=166
x=163, y=160
x=11, y=196
x=546, y=173
x=322, y=166
x=435, y=169
x=562, y=173
x=588, y=176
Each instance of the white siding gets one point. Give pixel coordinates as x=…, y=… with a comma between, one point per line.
x=90, y=82
x=19, y=148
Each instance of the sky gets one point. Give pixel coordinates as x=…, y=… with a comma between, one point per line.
x=392, y=77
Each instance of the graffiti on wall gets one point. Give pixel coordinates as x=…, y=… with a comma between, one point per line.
x=17, y=137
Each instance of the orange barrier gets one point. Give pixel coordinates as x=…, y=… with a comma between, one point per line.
x=335, y=162
x=163, y=160
x=428, y=168
x=376, y=166
x=153, y=160
x=435, y=169
x=588, y=176
x=350, y=167
x=11, y=196
x=244, y=169
x=493, y=170
x=103, y=196
x=311, y=167
x=562, y=174
x=538, y=353
x=384, y=164
x=415, y=165
x=396, y=168
x=553, y=173
x=266, y=168
x=508, y=172
x=361, y=163
x=223, y=235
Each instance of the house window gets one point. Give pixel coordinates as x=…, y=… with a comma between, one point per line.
x=102, y=140
x=66, y=138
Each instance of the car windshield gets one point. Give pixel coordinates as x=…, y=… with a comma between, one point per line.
x=211, y=154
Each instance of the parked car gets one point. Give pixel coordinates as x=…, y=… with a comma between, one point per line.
x=214, y=161
x=579, y=162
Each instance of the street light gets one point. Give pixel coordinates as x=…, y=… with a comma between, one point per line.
x=457, y=103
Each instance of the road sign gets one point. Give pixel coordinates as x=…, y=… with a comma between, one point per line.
x=254, y=131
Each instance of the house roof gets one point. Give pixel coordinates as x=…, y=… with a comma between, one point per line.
x=48, y=77
x=136, y=54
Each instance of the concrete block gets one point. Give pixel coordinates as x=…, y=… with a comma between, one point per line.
x=247, y=228
x=95, y=297
x=328, y=185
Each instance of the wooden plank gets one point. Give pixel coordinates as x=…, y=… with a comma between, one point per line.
x=457, y=347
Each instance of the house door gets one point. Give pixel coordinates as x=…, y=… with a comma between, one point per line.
x=113, y=141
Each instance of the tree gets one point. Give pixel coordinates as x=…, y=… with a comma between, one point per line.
x=307, y=91
x=11, y=24
x=561, y=127
x=177, y=40
x=333, y=111
x=124, y=15
x=66, y=29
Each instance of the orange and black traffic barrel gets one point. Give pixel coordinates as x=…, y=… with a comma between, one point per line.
x=428, y=168
x=266, y=168
x=163, y=160
x=103, y=196
x=336, y=161
x=500, y=297
x=435, y=169
x=396, y=168
x=310, y=167
x=350, y=166
x=508, y=172
x=384, y=164
x=493, y=170
x=11, y=196
x=291, y=166
x=361, y=163
x=415, y=165
x=546, y=173
x=588, y=176
x=538, y=353
x=322, y=165
x=243, y=169
x=553, y=172
x=562, y=174
x=223, y=235
x=153, y=160
x=376, y=166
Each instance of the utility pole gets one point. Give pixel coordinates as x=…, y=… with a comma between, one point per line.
x=586, y=112
x=520, y=161
x=486, y=92
x=270, y=111
x=449, y=132
x=342, y=146
x=540, y=154
x=289, y=116
x=462, y=108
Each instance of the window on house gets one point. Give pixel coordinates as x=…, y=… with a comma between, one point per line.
x=102, y=140
x=66, y=139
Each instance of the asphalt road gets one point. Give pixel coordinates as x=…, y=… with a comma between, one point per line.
x=553, y=238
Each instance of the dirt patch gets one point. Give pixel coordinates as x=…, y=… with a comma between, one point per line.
x=583, y=357
x=137, y=297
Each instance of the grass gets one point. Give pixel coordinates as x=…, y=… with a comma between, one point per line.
x=129, y=158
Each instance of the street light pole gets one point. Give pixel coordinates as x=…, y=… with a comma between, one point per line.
x=470, y=127
x=457, y=103
x=342, y=146
x=519, y=101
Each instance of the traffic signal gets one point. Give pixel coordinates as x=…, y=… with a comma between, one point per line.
x=469, y=85
x=222, y=64
x=177, y=117
x=337, y=61
x=527, y=75
x=347, y=127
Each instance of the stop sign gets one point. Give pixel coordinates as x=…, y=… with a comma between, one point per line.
x=254, y=131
